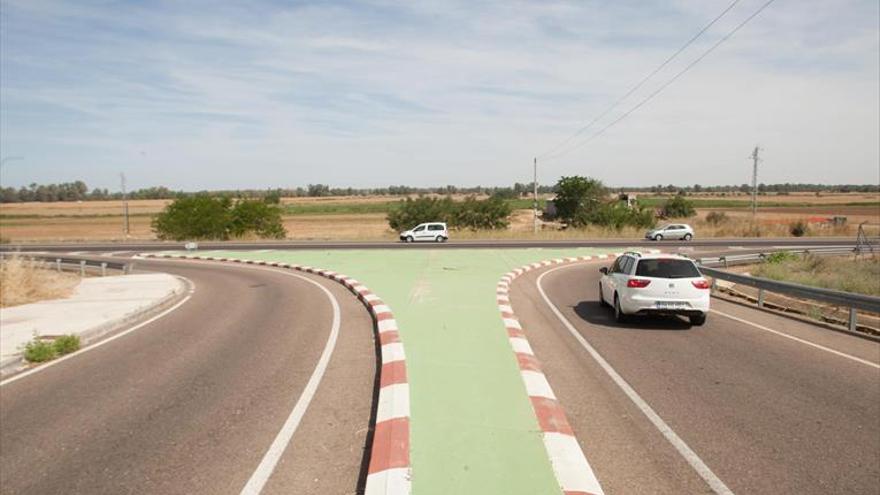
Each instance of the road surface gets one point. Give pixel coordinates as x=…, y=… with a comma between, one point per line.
x=761, y=412
x=192, y=402
x=452, y=244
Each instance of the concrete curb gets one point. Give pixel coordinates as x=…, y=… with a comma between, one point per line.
x=15, y=364
x=390, y=470
x=570, y=465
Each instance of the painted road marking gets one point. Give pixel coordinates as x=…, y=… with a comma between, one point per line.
x=267, y=465
x=689, y=455
x=798, y=339
x=570, y=466
x=190, y=292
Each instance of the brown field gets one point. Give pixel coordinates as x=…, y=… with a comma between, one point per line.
x=102, y=220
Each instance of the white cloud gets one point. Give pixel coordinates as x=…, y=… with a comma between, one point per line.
x=205, y=96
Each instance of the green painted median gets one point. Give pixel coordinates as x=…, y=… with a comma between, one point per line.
x=473, y=429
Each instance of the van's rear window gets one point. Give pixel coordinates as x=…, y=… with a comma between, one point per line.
x=667, y=268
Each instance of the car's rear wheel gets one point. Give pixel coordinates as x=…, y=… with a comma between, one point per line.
x=658, y=237
x=602, y=301
x=439, y=238
x=698, y=320
x=619, y=315
x=409, y=238
x=443, y=238
x=688, y=237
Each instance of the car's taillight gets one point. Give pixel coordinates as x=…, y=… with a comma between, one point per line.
x=701, y=284
x=637, y=283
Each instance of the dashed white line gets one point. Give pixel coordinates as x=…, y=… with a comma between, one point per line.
x=798, y=339
x=689, y=455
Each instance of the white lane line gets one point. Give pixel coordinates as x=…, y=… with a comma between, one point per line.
x=192, y=289
x=798, y=339
x=689, y=455
x=264, y=470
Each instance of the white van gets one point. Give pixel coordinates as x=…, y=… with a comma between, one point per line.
x=434, y=232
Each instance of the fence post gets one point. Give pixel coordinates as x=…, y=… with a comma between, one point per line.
x=58, y=264
x=103, y=269
x=761, y=298
x=853, y=319
x=82, y=268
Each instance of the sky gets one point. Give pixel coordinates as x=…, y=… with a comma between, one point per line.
x=256, y=94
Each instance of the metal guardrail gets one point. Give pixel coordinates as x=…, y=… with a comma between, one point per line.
x=82, y=265
x=746, y=259
x=854, y=302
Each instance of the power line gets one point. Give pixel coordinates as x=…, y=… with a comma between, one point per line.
x=668, y=83
x=640, y=83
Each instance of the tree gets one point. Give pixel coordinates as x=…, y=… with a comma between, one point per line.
x=411, y=212
x=577, y=197
x=474, y=214
x=257, y=217
x=203, y=216
x=194, y=218
x=678, y=207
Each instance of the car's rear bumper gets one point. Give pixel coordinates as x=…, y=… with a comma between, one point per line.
x=644, y=305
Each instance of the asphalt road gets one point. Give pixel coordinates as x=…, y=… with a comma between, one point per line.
x=453, y=244
x=764, y=413
x=192, y=402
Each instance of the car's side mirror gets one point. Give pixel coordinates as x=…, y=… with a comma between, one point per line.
x=604, y=270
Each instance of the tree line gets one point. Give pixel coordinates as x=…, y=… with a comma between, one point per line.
x=79, y=191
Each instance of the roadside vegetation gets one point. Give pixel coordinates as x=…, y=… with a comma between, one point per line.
x=205, y=217
x=472, y=214
x=859, y=275
x=24, y=280
x=40, y=350
x=582, y=201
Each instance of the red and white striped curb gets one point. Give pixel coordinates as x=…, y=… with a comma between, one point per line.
x=573, y=471
x=389, y=472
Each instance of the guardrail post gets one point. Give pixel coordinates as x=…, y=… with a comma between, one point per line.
x=723, y=259
x=761, y=298
x=82, y=268
x=103, y=269
x=853, y=319
x=58, y=264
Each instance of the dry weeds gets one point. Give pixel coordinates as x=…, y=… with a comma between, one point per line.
x=25, y=280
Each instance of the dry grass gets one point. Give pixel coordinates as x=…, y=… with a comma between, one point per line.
x=848, y=274
x=24, y=280
x=101, y=220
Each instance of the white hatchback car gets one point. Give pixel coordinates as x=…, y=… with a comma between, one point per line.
x=638, y=284
x=681, y=231
x=434, y=232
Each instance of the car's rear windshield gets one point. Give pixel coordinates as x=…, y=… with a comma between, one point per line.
x=667, y=268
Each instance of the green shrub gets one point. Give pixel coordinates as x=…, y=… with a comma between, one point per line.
x=202, y=217
x=716, y=217
x=259, y=217
x=799, y=228
x=617, y=215
x=780, y=257
x=411, y=212
x=678, y=207
x=474, y=214
x=66, y=344
x=39, y=351
x=492, y=213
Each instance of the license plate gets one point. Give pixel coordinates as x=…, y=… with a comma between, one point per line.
x=671, y=305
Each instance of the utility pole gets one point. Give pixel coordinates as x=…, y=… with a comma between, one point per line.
x=535, y=186
x=125, y=225
x=755, y=182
